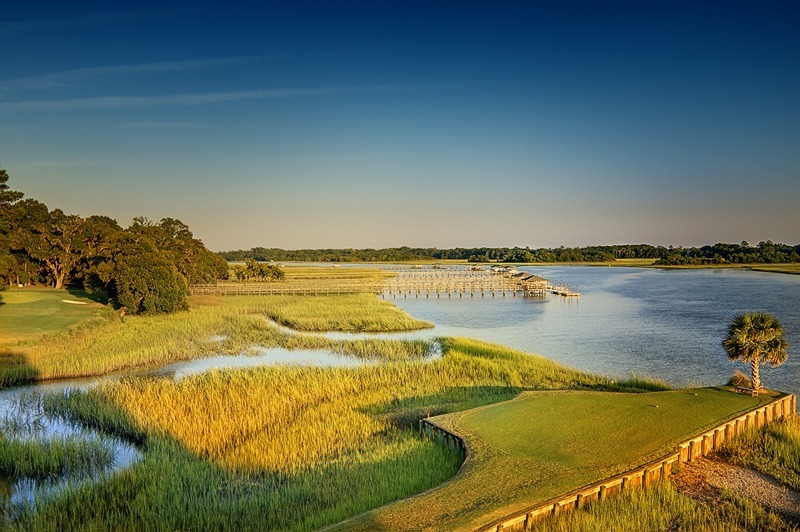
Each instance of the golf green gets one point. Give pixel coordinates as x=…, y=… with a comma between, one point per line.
x=29, y=312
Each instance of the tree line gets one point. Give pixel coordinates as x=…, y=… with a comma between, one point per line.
x=145, y=267
x=764, y=252
x=483, y=254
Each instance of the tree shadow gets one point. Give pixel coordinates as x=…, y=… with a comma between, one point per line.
x=98, y=296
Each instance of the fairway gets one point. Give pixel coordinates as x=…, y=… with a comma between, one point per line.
x=544, y=444
x=30, y=312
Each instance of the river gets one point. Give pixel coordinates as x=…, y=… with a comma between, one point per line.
x=662, y=323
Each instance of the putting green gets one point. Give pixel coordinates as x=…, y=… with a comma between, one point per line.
x=29, y=312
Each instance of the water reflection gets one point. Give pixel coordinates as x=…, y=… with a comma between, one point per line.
x=23, y=418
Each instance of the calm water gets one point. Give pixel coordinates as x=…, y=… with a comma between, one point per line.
x=668, y=324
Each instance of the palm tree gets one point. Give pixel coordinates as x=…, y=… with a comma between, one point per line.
x=756, y=338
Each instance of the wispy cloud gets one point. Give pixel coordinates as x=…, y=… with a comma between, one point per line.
x=88, y=19
x=164, y=125
x=79, y=76
x=203, y=98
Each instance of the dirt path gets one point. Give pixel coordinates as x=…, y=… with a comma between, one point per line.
x=704, y=478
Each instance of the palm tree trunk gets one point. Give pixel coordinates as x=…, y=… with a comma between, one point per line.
x=754, y=370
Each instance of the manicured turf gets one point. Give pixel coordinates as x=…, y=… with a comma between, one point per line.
x=570, y=428
x=544, y=444
x=30, y=312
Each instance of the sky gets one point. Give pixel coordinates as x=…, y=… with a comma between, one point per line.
x=304, y=124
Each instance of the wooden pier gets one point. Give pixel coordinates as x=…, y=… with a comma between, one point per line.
x=470, y=283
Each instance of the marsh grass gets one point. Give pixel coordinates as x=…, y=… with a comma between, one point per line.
x=53, y=458
x=346, y=313
x=777, y=268
x=305, y=273
x=110, y=344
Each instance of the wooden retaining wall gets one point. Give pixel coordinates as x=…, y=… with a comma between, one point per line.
x=453, y=441
x=645, y=475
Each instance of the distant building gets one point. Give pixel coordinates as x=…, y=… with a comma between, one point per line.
x=532, y=283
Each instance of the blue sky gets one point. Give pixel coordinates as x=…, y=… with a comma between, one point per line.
x=374, y=124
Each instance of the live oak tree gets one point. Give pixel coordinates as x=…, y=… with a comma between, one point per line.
x=756, y=338
x=54, y=239
x=7, y=198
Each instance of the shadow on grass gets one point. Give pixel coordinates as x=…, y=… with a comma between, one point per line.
x=98, y=296
x=15, y=369
x=406, y=413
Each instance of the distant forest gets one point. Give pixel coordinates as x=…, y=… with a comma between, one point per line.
x=763, y=253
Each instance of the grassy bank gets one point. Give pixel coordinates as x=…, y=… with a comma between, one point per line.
x=108, y=344
x=793, y=269
x=285, y=447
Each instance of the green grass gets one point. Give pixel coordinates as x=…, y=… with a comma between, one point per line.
x=628, y=428
x=27, y=313
x=544, y=444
